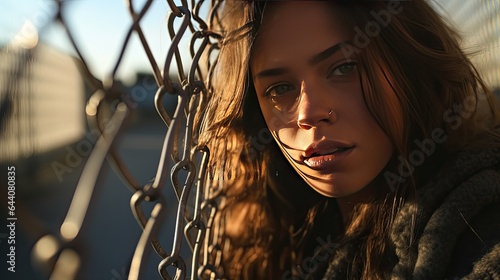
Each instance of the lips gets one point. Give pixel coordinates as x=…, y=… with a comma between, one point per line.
x=324, y=154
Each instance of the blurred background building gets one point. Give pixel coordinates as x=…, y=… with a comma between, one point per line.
x=43, y=95
x=479, y=23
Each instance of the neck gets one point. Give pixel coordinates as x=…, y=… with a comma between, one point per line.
x=373, y=191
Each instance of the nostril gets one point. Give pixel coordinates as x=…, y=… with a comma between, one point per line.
x=303, y=125
x=306, y=122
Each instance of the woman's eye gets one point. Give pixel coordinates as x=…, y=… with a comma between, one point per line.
x=344, y=69
x=279, y=90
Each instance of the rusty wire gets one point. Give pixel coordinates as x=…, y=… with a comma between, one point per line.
x=179, y=154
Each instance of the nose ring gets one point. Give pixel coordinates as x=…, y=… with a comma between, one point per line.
x=332, y=116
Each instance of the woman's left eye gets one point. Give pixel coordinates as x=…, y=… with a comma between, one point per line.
x=344, y=69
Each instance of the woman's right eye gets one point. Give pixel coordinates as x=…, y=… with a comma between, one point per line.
x=278, y=90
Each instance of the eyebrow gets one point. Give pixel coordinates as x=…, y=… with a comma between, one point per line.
x=271, y=72
x=326, y=53
x=314, y=60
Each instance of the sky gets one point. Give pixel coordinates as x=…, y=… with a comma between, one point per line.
x=99, y=28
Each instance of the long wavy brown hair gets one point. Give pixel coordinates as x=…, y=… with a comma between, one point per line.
x=415, y=77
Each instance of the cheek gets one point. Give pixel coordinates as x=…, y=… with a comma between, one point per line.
x=276, y=120
x=281, y=124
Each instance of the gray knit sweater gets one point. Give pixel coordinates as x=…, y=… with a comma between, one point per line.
x=457, y=225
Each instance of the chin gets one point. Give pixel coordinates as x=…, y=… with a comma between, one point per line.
x=332, y=190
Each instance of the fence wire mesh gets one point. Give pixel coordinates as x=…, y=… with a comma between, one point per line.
x=182, y=163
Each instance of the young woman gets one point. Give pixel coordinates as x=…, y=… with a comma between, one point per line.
x=349, y=140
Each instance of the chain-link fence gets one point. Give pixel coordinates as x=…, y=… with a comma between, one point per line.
x=26, y=134
x=30, y=137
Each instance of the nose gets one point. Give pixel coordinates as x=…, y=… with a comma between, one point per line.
x=313, y=109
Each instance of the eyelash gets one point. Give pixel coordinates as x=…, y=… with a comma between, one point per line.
x=269, y=91
x=353, y=64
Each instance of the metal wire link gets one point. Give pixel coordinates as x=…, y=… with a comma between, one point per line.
x=178, y=153
x=182, y=163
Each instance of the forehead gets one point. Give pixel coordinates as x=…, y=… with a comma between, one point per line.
x=298, y=28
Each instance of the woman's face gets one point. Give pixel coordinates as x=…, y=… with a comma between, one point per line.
x=311, y=98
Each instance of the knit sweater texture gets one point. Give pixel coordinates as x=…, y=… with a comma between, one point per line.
x=451, y=231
